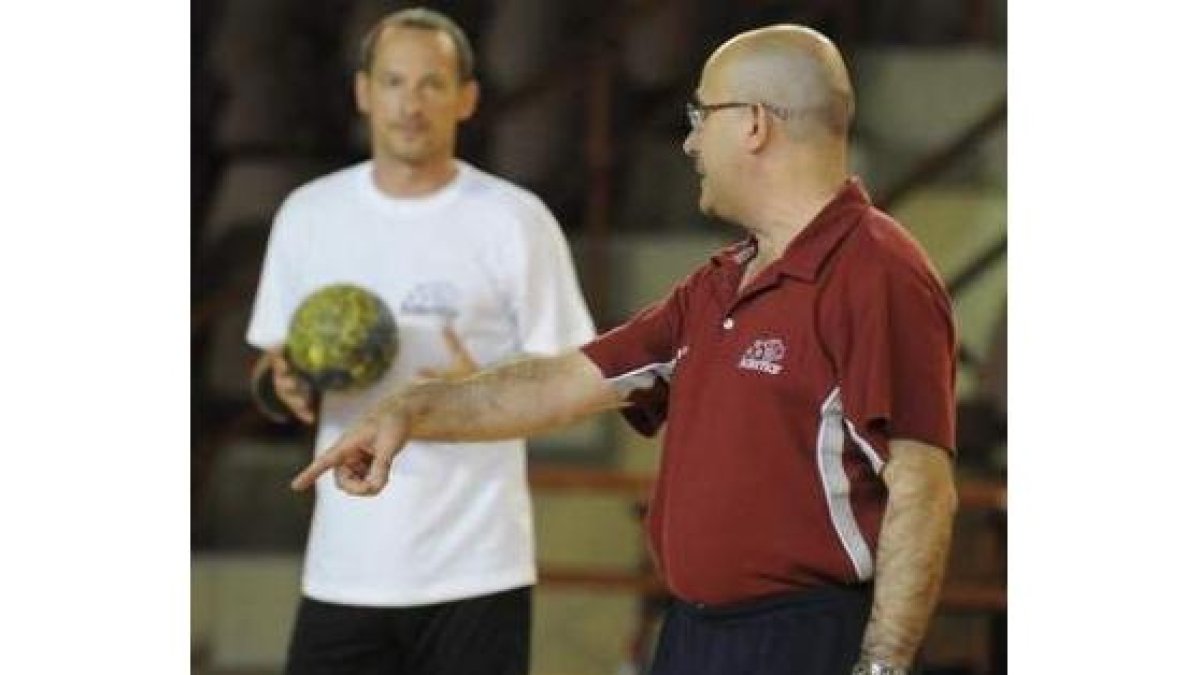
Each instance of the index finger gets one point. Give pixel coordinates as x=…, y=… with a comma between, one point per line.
x=327, y=460
x=306, y=478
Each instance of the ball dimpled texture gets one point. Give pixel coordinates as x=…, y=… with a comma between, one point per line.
x=342, y=337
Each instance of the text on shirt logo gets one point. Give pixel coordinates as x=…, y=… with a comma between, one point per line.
x=439, y=298
x=764, y=356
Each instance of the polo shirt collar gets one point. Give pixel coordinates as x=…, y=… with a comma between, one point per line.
x=806, y=253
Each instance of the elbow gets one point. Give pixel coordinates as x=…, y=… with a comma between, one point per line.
x=931, y=489
x=941, y=498
x=941, y=493
x=935, y=496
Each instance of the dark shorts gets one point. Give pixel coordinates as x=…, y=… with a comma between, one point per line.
x=817, y=632
x=487, y=635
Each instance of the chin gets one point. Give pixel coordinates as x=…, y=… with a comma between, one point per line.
x=711, y=210
x=706, y=205
x=415, y=156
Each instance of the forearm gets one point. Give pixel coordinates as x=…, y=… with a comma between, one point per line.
x=914, y=542
x=514, y=400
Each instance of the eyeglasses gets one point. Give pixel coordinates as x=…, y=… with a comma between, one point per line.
x=697, y=111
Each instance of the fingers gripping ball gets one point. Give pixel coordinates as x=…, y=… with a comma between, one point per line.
x=342, y=337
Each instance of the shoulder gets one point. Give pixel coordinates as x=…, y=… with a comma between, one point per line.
x=504, y=199
x=324, y=192
x=880, y=247
x=880, y=265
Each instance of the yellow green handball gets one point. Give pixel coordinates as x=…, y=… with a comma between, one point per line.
x=342, y=337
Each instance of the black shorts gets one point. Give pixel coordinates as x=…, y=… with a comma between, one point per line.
x=486, y=635
x=816, y=632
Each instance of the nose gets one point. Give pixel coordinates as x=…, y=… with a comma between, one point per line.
x=689, y=143
x=410, y=103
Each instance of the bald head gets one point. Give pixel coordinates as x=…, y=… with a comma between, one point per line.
x=797, y=71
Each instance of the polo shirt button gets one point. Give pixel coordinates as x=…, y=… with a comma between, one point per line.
x=727, y=323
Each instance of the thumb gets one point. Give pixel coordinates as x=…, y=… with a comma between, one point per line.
x=458, y=351
x=389, y=439
x=279, y=363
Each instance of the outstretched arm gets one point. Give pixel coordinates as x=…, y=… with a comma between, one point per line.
x=914, y=541
x=510, y=401
x=514, y=400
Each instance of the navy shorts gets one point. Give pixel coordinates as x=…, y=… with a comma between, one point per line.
x=487, y=635
x=815, y=632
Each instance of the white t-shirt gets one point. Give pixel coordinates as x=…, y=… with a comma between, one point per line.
x=454, y=521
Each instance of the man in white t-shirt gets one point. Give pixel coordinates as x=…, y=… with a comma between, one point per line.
x=434, y=577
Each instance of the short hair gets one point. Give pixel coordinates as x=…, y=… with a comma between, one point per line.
x=423, y=19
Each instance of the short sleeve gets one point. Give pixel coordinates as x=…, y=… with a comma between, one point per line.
x=548, y=306
x=892, y=341
x=638, y=357
x=273, y=301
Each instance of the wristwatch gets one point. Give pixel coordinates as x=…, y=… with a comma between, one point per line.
x=877, y=668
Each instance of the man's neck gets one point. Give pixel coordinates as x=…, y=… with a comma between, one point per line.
x=404, y=179
x=777, y=223
x=792, y=185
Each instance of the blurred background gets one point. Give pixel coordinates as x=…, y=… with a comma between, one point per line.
x=582, y=103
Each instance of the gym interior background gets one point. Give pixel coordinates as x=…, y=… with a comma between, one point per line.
x=583, y=103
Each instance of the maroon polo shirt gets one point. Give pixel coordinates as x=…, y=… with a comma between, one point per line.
x=779, y=402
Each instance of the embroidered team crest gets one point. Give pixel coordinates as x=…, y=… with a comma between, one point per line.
x=764, y=356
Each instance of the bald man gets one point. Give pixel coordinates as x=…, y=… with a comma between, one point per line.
x=805, y=376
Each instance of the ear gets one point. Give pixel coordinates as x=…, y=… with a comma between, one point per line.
x=760, y=129
x=361, y=98
x=468, y=100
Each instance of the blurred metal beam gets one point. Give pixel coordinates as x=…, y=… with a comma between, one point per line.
x=937, y=162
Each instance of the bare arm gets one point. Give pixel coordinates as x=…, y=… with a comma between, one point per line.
x=514, y=400
x=510, y=401
x=914, y=541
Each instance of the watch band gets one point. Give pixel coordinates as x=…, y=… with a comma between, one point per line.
x=262, y=392
x=866, y=667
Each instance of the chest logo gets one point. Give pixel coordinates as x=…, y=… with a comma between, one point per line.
x=438, y=298
x=764, y=356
